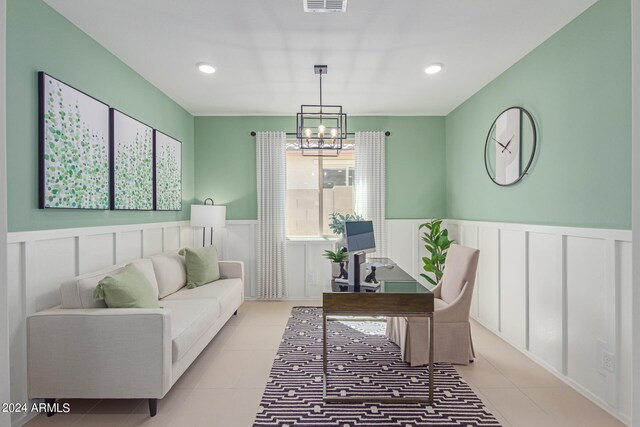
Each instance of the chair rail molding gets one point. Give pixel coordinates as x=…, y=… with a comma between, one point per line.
x=562, y=296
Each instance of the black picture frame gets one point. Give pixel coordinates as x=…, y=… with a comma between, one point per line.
x=160, y=182
x=70, y=138
x=124, y=186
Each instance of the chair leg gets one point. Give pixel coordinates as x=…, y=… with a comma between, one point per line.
x=153, y=407
x=473, y=352
x=50, y=404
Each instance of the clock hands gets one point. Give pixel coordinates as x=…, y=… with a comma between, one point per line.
x=509, y=142
x=504, y=147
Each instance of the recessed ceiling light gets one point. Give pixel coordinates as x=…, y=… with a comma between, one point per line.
x=206, y=68
x=433, y=69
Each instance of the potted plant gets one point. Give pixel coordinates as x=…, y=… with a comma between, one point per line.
x=436, y=241
x=336, y=258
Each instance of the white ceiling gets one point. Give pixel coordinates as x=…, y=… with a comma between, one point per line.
x=265, y=50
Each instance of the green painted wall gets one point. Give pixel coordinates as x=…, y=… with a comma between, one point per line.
x=415, y=175
x=40, y=39
x=577, y=85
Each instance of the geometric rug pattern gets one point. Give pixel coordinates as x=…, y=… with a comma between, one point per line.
x=362, y=362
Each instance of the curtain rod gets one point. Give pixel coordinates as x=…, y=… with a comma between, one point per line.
x=253, y=133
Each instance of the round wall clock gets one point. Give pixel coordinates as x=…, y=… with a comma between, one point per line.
x=510, y=146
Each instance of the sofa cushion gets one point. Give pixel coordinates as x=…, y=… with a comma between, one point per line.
x=227, y=293
x=190, y=319
x=202, y=265
x=78, y=292
x=128, y=288
x=171, y=272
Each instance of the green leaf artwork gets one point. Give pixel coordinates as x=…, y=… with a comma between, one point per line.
x=133, y=163
x=75, y=148
x=168, y=173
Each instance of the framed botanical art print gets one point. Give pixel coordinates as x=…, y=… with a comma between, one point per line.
x=168, y=173
x=73, y=147
x=132, y=166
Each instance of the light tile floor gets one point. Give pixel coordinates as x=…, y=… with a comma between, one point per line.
x=224, y=385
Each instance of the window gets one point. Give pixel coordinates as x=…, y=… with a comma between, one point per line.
x=316, y=187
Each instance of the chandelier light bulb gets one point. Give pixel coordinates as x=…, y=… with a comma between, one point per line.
x=307, y=132
x=334, y=133
x=321, y=129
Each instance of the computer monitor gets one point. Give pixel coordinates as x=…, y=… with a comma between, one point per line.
x=360, y=236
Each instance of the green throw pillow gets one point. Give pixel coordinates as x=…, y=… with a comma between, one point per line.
x=128, y=288
x=202, y=265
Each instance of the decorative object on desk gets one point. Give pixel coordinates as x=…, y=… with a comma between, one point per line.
x=168, y=172
x=371, y=277
x=344, y=274
x=337, y=258
x=436, y=241
x=337, y=225
x=208, y=215
x=73, y=147
x=510, y=142
x=132, y=166
x=321, y=129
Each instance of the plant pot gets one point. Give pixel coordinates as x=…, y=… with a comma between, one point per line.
x=335, y=269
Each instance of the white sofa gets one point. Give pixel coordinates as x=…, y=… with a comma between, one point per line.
x=82, y=349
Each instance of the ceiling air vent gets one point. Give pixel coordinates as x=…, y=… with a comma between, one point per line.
x=325, y=5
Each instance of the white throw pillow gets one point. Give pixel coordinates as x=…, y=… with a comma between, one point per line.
x=171, y=272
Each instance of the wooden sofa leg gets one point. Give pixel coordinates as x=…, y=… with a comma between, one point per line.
x=153, y=407
x=50, y=405
x=235, y=313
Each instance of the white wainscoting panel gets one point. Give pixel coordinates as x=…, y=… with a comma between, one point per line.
x=128, y=245
x=562, y=296
x=152, y=241
x=405, y=246
x=40, y=260
x=467, y=235
x=171, y=238
x=296, y=269
x=513, y=286
x=50, y=262
x=624, y=261
x=95, y=250
x=489, y=274
x=586, y=315
x=237, y=242
x=546, y=299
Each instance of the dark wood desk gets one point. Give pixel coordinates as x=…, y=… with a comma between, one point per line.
x=399, y=295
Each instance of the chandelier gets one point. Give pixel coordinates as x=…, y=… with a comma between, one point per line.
x=321, y=129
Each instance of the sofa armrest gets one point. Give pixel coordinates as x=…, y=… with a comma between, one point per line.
x=99, y=353
x=232, y=269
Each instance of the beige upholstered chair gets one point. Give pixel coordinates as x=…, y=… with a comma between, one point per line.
x=452, y=301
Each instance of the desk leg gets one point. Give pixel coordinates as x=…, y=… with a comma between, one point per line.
x=324, y=355
x=431, y=359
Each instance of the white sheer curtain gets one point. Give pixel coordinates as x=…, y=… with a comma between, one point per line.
x=271, y=241
x=369, y=184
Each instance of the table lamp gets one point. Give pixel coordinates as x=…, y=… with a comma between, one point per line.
x=208, y=215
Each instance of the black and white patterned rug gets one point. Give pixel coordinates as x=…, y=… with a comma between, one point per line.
x=362, y=362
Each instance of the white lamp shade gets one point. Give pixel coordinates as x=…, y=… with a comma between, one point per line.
x=208, y=216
